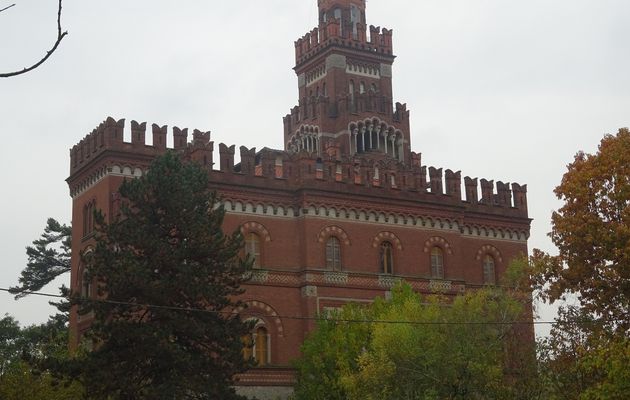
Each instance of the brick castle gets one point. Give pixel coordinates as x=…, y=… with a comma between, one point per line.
x=341, y=214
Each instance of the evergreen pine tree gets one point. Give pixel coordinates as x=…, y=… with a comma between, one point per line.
x=165, y=281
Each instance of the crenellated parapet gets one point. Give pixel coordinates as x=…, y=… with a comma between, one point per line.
x=331, y=34
x=268, y=168
x=109, y=136
x=276, y=169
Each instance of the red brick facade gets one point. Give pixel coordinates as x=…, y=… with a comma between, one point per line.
x=347, y=172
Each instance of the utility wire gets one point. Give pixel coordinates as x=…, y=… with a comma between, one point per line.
x=305, y=318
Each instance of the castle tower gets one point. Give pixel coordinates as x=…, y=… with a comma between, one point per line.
x=342, y=215
x=345, y=89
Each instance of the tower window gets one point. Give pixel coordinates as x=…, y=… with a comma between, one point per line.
x=88, y=218
x=387, y=258
x=252, y=248
x=437, y=263
x=354, y=19
x=333, y=254
x=489, y=277
x=362, y=87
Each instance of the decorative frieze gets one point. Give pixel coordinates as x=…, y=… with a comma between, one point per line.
x=440, y=286
x=388, y=281
x=259, y=276
x=336, y=278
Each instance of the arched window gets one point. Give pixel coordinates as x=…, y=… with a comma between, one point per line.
x=362, y=87
x=437, y=263
x=256, y=346
x=351, y=88
x=85, y=220
x=86, y=284
x=489, y=277
x=333, y=253
x=354, y=18
x=261, y=346
x=88, y=218
x=374, y=88
x=252, y=248
x=387, y=258
x=324, y=91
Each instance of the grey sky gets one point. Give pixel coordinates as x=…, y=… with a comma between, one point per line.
x=499, y=89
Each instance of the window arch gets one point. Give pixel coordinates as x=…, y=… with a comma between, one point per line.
x=362, y=87
x=252, y=248
x=489, y=270
x=387, y=258
x=333, y=253
x=437, y=262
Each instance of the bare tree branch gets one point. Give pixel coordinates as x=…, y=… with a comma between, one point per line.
x=6, y=8
x=60, y=36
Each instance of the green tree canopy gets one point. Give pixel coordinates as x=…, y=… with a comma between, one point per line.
x=169, y=276
x=26, y=353
x=415, y=347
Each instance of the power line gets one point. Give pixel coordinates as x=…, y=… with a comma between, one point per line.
x=306, y=318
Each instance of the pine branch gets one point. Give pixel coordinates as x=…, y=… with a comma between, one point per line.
x=60, y=36
x=48, y=258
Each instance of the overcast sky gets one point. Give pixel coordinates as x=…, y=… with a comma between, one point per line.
x=500, y=89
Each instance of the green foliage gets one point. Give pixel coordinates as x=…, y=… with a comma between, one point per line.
x=332, y=348
x=418, y=348
x=167, y=250
x=48, y=258
x=22, y=382
x=9, y=343
x=582, y=360
x=26, y=353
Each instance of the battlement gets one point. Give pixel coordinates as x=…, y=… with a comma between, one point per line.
x=327, y=4
x=331, y=34
x=350, y=175
x=300, y=170
x=109, y=135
